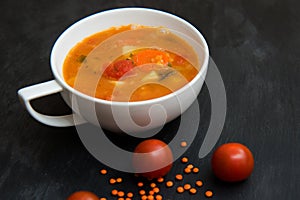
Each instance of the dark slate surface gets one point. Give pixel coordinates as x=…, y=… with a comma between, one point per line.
x=256, y=47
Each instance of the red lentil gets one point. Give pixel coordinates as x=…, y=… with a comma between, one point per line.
x=153, y=185
x=199, y=183
x=142, y=192
x=184, y=160
x=112, y=181
x=195, y=170
x=150, y=197
x=183, y=144
x=169, y=183
x=180, y=189
x=140, y=184
x=187, y=170
x=190, y=166
x=156, y=190
x=130, y=194
x=187, y=186
x=208, y=193
x=193, y=191
x=114, y=192
x=119, y=180
x=160, y=179
x=158, y=197
x=179, y=177
x=121, y=193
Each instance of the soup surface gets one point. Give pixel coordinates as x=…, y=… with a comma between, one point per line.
x=130, y=63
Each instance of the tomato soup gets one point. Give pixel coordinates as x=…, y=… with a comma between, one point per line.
x=130, y=63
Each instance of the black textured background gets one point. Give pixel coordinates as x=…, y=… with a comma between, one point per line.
x=255, y=45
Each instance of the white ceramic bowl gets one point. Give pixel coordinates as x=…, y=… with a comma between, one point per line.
x=116, y=116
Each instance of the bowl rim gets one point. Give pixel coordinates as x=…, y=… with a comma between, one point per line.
x=176, y=93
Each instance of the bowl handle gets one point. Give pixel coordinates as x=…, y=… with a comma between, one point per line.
x=39, y=90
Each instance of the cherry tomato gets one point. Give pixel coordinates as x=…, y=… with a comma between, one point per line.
x=83, y=195
x=118, y=69
x=232, y=162
x=157, y=161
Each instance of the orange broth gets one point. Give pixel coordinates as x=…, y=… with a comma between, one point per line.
x=136, y=72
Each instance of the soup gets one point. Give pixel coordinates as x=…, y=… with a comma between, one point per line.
x=130, y=63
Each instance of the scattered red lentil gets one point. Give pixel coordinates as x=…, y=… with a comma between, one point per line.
x=199, y=183
x=114, y=192
x=140, y=184
x=193, y=191
x=180, y=189
x=151, y=192
x=158, y=197
x=121, y=198
x=121, y=193
x=144, y=197
x=150, y=197
x=127, y=198
x=169, y=183
x=187, y=170
x=187, y=186
x=112, y=181
x=103, y=171
x=130, y=194
x=208, y=193
x=160, y=179
x=103, y=198
x=119, y=180
x=184, y=160
x=195, y=170
x=183, y=144
x=142, y=192
x=190, y=166
x=156, y=190
x=153, y=185
x=179, y=177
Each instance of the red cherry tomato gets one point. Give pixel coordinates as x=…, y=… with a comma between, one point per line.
x=118, y=69
x=157, y=160
x=83, y=195
x=232, y=162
